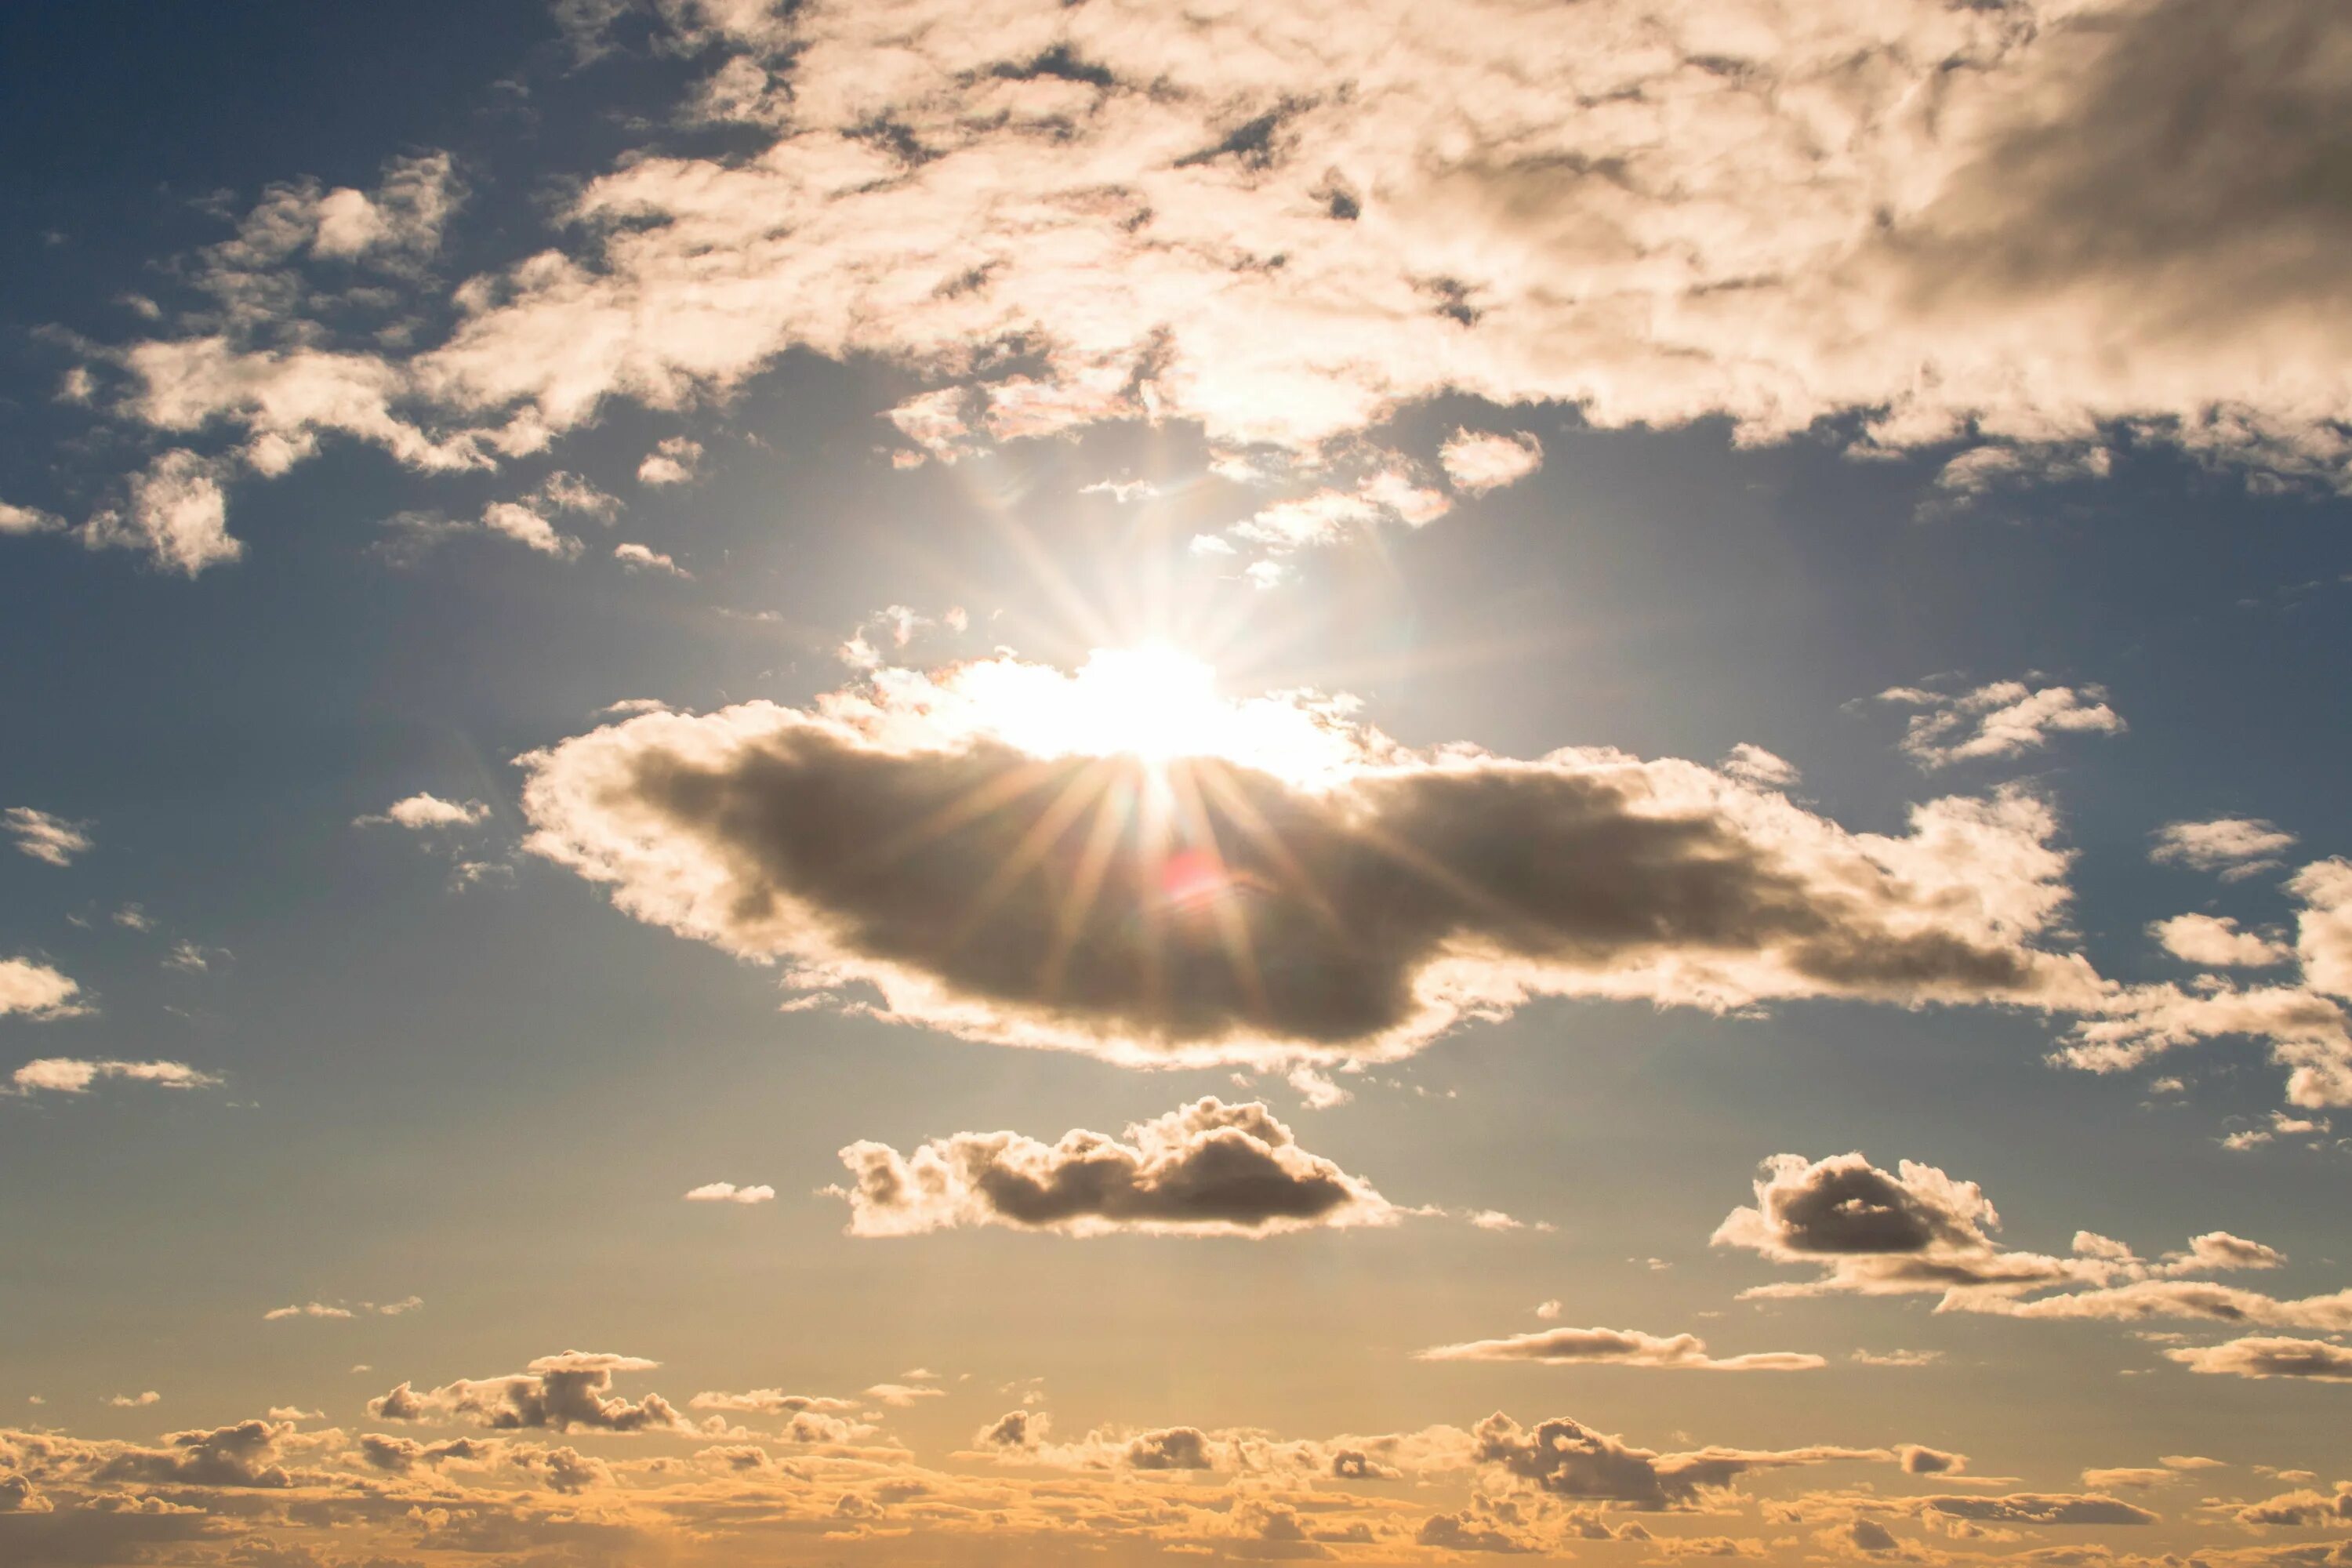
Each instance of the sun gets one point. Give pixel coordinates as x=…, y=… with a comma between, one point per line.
x=1151, y=702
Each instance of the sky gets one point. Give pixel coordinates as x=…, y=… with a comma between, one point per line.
x=1103, y=783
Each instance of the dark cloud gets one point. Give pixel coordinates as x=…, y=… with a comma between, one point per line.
x=1226, y=913
x=1206, y=1168
x=244, y=1454
x=2262, y=1356
x=558, y=1392
x=1564, y=1458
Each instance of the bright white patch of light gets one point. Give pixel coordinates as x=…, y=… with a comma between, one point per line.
x=1153, y=702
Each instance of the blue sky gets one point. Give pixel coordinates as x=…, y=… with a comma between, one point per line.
x=1716, y=587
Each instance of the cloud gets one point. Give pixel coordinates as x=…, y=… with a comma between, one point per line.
x=519, y=522
x=74, y=1075
x=2040, y=1508
x=1299, y=885
x=674, y=462
x=557, y=1391
x=44, y=836
x=1939, y=220
x=2300, y=1509
x=1877, y=1233
x=807, y=1419
x=728, y=1193
x=27, y=520
x=1205, y=1169
x=2215, y=940
x=129, y=1402
x=1479, y=461
x=1617, y=1347
x=422, y=813
x=2261, y=1356
x=37, y=991
x=2236, y=847
x=1897, y=1358
x=244, y=1454
x=2004, y=719
x=644, y=558
x=177, y=513
x=1754, y=764
x=2324, y=928
x=1564, y=1458
x=363, y=1309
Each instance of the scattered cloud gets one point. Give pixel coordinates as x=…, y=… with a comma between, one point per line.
x=2263, y=1356
x=74, y=1075
x=2005, y=718
x=46, y=838
x=644, y=558
x=674, y=462
x=2216, y=941
x=1205, y=1169
x=1618, y=1347
x=1478, y=462
x=728, y=1193
x=557, y=1391
x=422, y=813
x=2236, y=847
x=176, y=513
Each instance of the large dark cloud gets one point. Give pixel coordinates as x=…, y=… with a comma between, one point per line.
x=1080, y=902
x=1565, y=1458
x=1204, y=1169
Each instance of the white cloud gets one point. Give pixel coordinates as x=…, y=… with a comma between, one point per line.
x=24, y=519
x=132, y=1401
x=674, y=462
x=37, y=991
x=1482, y=460
x=728, y=1193
x=74, y=1075
x=1754, y=764
x=44, y=836
x=1618, y=1347
x=2004, y=719
x=644, y=558
x=518, y=521
x=2236, y=847
x=423, y=812
x=2216, y=941
x=2323, y=927
x=177, y=513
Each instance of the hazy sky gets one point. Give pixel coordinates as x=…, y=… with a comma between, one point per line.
x=1015, y=782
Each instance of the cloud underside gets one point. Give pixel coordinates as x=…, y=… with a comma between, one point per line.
x=1221, y=912
x=1206, y=1169
x=1285, y=222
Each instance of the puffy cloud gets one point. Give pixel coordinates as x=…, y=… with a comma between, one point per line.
x=1754, y=764
x=1874, y=1232
x=673, y=462
x=74, y=1075
x=37, y=991
x=2300, y=1509
x=244, y=1454
x=1205, y=1169
x=645, y=558
x=2216, y=940
x=25, y=519
x=2324, y=928
x=1483, y=461
x=557, y=1391
x=728, y=1193
x=2236, y=847
x=2262, y=1356
x=43, y=836
x=1119, y=861
x=177, y=513
x=1618, y=1347
x=529, y=527
x=1918, y=1460
x=420, y=812
x=1565, y=1458
x=1464, y=1530
x=2004, y=719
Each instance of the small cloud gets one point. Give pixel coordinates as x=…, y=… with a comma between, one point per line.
x=1756, y=765
x=45, y=837
x=188, y=958
x=1483, y=461
x=728, y=1193
x=1121, y=490
x=419, y=813
x=1317, y=1089
x=2236, y=847
x=133, y=1401
x=27, y=519
x=74, y=1075
x=133, y=917
x=36, y=990
x=518, y=521
x=674, y=462
x=643, y=558
x=1548, y=1310
x=1897, y=1358
x=2003, y=718
x=1210, y=544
